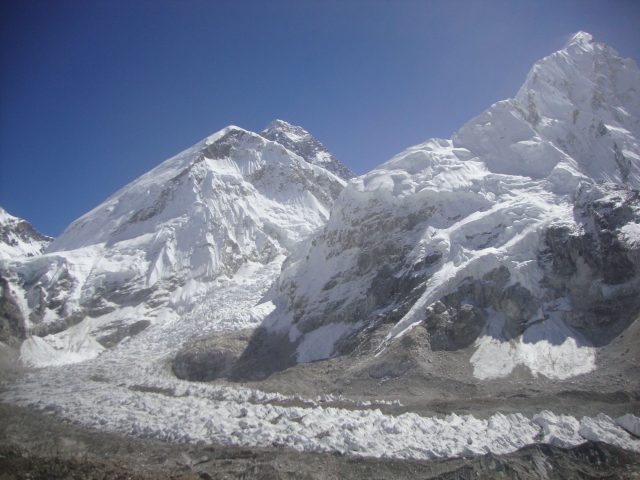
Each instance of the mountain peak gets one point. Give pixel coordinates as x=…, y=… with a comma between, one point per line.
x=580, y=38
x=286, y=131
x=579, y=106
x=301, y=142
x=281, y=124
x=19, y=238
x=161, y=243
x=213, y=138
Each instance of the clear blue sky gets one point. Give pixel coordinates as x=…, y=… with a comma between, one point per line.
x=95, y=93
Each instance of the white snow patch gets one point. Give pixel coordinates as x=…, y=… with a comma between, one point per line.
x=547, y=348
x=70, y=346
x=630, y=234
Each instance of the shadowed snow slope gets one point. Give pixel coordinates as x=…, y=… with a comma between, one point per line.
x=156, y=248
x=519, y=235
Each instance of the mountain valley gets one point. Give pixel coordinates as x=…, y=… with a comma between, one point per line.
x=472, y=300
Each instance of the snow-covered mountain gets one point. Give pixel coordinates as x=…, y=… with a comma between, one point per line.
x=18, y=237
x=299, y=141
x=157, y=247
x=509, y=250
x=518, y=238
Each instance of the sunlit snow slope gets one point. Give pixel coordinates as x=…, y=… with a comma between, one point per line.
x=156, y=248
x=518, y=237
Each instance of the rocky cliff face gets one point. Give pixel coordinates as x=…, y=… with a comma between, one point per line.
x=597, y=267
x=518, y=237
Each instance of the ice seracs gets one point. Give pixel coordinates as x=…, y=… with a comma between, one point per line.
x=517, y=231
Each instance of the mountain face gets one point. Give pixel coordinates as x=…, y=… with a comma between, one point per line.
x=156, y=248
x=299, y=141
x=518, y=238
x=18, y=237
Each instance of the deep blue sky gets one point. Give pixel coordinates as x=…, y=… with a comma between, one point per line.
x=95, y=93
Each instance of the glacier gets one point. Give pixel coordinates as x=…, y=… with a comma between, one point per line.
x=147, y=401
